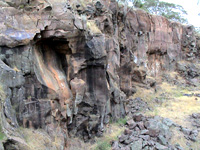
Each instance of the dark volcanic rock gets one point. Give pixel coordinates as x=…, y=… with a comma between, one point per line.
x=131, y=124
x=69, y=66
x=137, y=145
x=138, y=117
x=135, y=105
x=188, y=70
x=157, y=135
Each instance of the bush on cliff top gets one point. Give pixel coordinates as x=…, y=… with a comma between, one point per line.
x=169, y=10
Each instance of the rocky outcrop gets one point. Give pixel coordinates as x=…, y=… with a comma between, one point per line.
x=69, y=66
x=146, y=133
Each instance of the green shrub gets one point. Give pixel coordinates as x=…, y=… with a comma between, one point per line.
x=121, y=121
x=2, y=135
x=103, y=145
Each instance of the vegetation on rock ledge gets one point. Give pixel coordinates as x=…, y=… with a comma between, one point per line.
x=169, y=10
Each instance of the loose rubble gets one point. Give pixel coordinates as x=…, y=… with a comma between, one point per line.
x=135, y=105
x=150, y=133
x=195, y=120
x=146, y=133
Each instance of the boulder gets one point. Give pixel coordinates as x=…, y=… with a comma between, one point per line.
x=137, y=145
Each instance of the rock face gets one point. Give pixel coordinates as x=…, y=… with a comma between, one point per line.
x=69, y=65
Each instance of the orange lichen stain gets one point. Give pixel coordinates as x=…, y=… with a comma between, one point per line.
x=59, y=76
x=64, y=89
x=52, y=76
x=45, y=74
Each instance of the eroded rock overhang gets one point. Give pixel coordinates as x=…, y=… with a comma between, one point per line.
x=69, y=68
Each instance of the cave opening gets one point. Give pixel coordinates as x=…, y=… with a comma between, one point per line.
x=59, y=48
x=50, y=56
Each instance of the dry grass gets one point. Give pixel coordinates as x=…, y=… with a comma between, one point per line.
x=146, y=94
x=91, y=25
x=16, y=69
x=103, y=143
x=178, y=110
x=196, y=145
x=2, y=99
x=177, y=107
x=38, y=139
x=112, y=132
x=2, y=95
x=178, y=138
x=164, y=90
x=174, y=106
x=83, y=3
x=149, y=95
x=77, y=144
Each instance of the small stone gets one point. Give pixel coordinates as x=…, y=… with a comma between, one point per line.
x=130, y=140
x=141, y=125
x=151, y=143
x=1, y=146
x=137, y=145
x=138, y=117
x=131, y=123
x=137, y=129
x=153, y=132
x=162, y=140
x=196, y=115
x=161, y=147
x=188, y=144
x=115, y=145
x=122, y=138
x=168, y=122
x=185, y=131
x=146, y=124
x=144, y=132
x=178, y=147
x=144, y=137
x=146, y=148
x=145, y=143
x=195, y=132
x=193, y=138
x=127, y=132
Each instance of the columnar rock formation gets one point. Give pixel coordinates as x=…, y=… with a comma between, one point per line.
x=68, y=66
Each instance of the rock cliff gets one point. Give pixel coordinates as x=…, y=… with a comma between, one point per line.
x=68, y=66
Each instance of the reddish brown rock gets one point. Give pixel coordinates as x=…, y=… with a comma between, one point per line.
x=71, y=66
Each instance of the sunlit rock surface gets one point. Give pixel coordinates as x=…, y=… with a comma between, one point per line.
x=67, y=67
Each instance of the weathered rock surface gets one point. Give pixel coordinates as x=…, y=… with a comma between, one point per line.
x=136, y=105
x=195, y=119
x=151, y=133
x=69, y=66
x=147, y=133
